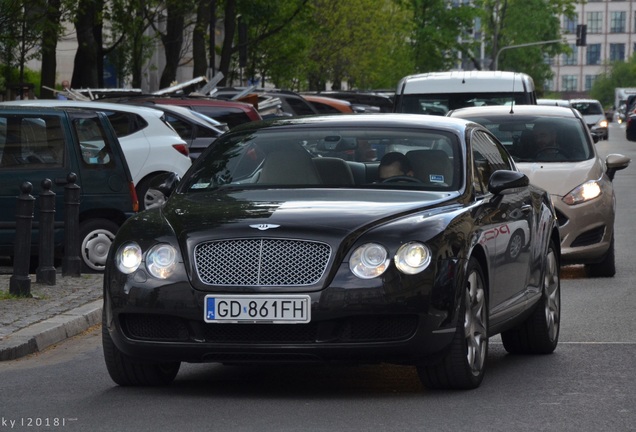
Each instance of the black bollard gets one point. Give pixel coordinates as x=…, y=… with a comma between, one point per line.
x=45, y=273
x=71, y=263
x=20, y=282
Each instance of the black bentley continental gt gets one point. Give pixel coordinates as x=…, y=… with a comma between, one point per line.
x=398, y=238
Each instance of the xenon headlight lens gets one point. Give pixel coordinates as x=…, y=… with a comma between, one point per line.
x=128, y=258
x=369, y=260
x=412, y=257
x=585, y=192
x=161, y=260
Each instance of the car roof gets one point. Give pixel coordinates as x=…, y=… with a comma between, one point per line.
x=91, y=105
x=364, y=120
x=189, y=114
x=586, y=101
x=541, y=110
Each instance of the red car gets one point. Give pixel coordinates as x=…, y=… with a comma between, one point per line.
x=231, y=113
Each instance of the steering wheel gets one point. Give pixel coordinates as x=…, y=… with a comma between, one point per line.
x=402, y=178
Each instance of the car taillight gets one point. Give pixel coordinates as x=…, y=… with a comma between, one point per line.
x=182, y=148
x=133, y=196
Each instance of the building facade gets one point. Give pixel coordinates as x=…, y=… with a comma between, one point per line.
x=611, y=36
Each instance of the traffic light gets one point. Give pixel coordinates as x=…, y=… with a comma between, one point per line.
x=581, y=33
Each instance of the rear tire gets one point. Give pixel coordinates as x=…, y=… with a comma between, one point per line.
x=539, y=334
x=464, y=365
x=125, y=371
x=96, y=237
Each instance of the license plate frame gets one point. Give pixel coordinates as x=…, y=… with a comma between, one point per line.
x=257, y=309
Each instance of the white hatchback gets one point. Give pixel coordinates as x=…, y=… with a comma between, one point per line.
x=151, y=146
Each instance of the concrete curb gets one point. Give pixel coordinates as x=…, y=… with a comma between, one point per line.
x=42, y=335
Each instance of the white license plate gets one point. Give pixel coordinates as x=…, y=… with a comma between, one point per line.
x=279, y=309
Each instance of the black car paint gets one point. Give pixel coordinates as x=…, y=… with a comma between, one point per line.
x=454, y=225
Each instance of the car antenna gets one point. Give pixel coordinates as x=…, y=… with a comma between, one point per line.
x=512, y=105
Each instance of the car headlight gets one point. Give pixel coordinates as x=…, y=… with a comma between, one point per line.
x=585, y=192
x=161, y=260
x=602, y=123
x=128, y=258
x=369, y=260
x=412, y=258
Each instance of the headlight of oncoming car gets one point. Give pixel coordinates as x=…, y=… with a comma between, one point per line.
x=369, y=260
x=128, y=258
x=585, y=192
x=161, y=260
x=412, y=258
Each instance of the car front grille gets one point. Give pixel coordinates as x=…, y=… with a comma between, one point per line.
x=262, y=262
x=362, y=329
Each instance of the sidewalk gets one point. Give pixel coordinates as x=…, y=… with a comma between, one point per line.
x=55, y=313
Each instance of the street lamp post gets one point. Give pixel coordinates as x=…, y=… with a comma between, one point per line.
x=523, y=45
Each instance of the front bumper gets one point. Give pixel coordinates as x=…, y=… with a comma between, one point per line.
x=586, y=229
x=404, y=322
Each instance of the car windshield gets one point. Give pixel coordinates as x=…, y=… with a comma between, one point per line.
x=320, y=158
x=440, y=104
x=588, y=108
x=539, y=139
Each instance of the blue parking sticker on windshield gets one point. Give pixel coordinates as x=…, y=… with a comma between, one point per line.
x=209, y=307
x=436, y=178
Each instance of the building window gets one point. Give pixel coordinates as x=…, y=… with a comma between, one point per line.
x=570, y=59
x=569, y=24
x=569, y=83
x=589, y=81
x=548, y=85
x=594, y=22
x=617, y=22
x=593, y=55
x=617, y=52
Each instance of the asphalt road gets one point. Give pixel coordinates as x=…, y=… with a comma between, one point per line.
x=588, y=384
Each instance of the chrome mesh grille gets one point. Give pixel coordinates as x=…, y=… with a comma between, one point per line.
x=263, y=262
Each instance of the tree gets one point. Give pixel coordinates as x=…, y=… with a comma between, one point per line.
x=619, y=74
x=517, y=22
x=21, y=26
x=441, y=33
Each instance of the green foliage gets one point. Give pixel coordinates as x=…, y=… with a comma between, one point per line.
x=619, y=74
x=509, y=23
x=440, y=33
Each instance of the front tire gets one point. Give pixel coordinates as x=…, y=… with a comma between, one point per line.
x=125, y=371
x=464, y=365
x=539, y=334
x=605, y=268
x=149, y=197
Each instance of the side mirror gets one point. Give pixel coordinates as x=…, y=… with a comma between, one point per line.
x=616, y=162
x=503, y=180
x=166, y=183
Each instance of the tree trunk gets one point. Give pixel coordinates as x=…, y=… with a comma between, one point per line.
x=172, y=43
x=199, y=52
x=88, y=65
x=228, y=41
x=49, y=46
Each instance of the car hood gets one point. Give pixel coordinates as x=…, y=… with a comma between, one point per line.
x=560, y=178
x=249, y=212
x=592, y=119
